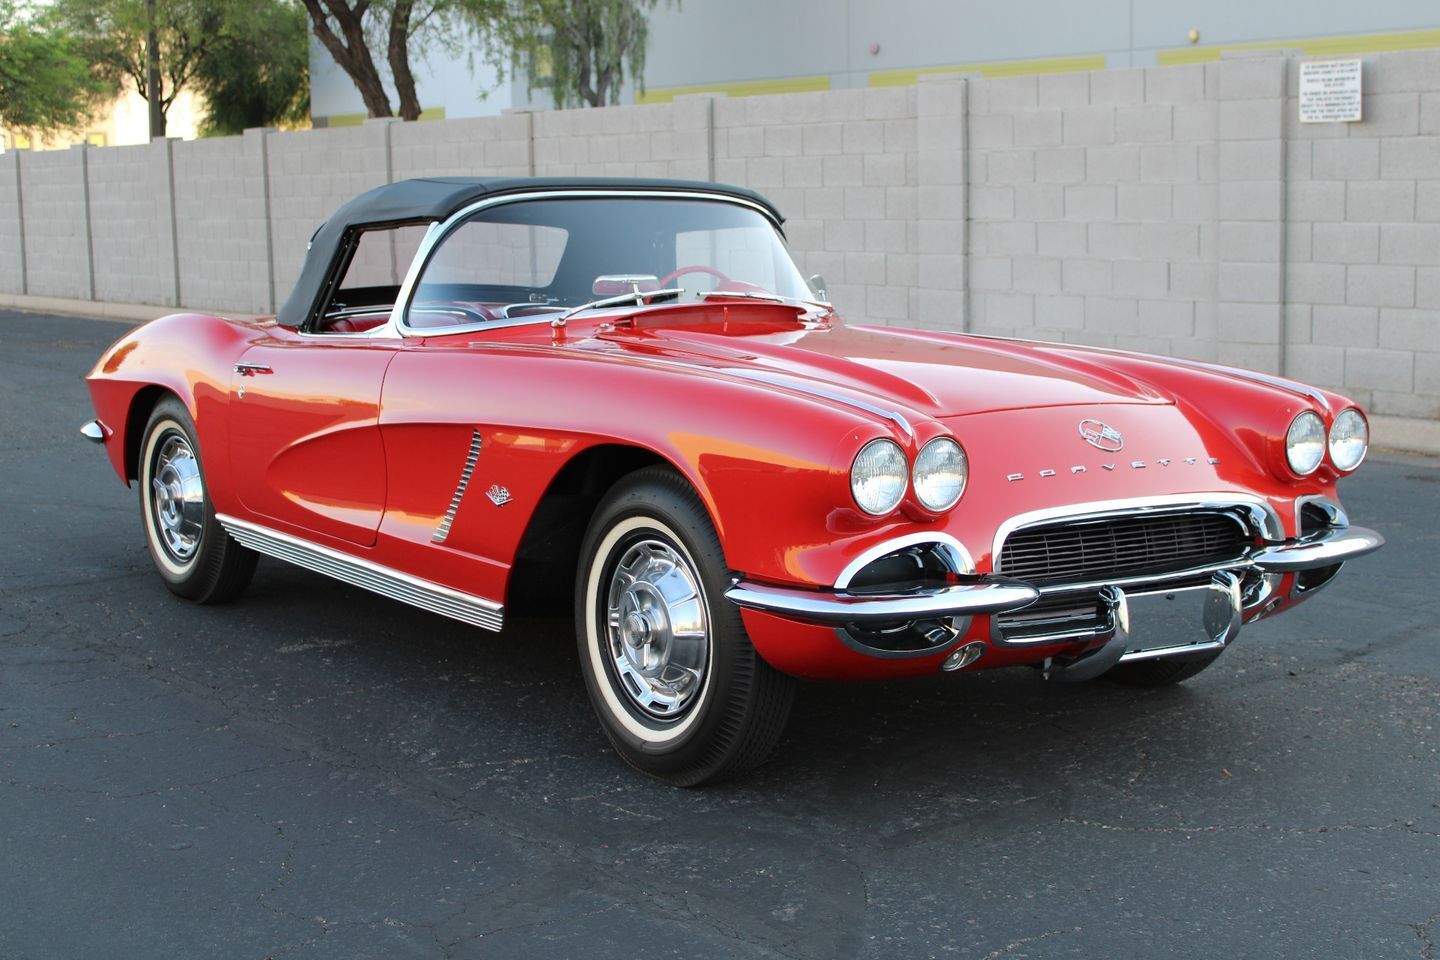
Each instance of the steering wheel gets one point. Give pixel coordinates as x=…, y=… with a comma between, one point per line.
x=673, y=275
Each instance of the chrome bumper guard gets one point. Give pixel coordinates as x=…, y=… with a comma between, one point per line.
x=1325, y=549
x=1222, y=611
x=985, y=595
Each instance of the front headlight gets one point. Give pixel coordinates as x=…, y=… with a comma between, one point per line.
x=1305, y=443
x=1349, y=439
x=940, y=473
x=877, y=479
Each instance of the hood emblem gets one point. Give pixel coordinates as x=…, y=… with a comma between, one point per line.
x=1102, y=436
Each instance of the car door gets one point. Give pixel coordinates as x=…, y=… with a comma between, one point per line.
x=305, y=443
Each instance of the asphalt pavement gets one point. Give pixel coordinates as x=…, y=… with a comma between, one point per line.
x=314, y=771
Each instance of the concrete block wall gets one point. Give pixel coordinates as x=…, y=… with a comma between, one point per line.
x=132, y=230
x=57, y=228
x=12, y=232
x=1180, y=210
x=1362, y=252
x=1093, y=208
x=221, y=223
x=843, y=167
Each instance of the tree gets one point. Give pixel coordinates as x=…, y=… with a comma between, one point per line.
x=260, y=76
x=579, y=50
x=346, y=28
x=114, y=36
x=46, y=81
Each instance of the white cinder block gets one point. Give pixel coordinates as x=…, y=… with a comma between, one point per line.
x=1250, y=119
x=1112, y=163
x=1060, y=165
x=1413, y=243
x=1118, y=87
x=1412, y=158
x=1315, y=283
x=1254, y=241
x=1414, y=330
x=1064, y=89
x=1087, y=126
x=1141, y=124
x=1354, y=158
x=1345, y=243
x=1143, y=201
x=1178, y=84
x=1380, y=286
x=1168, y=162
x=1392, y=370
x=1038, y=128
x=1380, y=201
x=1343, y=326
x=1249, y=282
x=1085, y=201
x=1315, y=200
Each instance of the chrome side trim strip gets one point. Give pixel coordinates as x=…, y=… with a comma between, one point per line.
x=388, y=582
x=443, y=531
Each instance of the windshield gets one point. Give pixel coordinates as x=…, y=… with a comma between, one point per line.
x=541, y=257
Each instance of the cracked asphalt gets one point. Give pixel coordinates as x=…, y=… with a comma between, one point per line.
x=317, y=772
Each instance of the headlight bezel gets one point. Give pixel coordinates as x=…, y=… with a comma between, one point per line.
x=916, y=481
x=902, y=474
x=1330, y=439
x=1319, y=436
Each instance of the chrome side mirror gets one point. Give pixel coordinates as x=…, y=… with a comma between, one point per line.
x=818, y=287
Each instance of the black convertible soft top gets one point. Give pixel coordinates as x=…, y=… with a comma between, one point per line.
x=436, y=198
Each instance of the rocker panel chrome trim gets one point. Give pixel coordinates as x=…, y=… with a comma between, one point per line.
x=388, y=582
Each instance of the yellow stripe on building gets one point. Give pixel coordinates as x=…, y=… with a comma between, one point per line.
x=1000, y=68
x=742, y=88
x=1313, y=46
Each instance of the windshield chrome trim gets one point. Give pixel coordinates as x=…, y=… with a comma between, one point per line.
x=396, y=327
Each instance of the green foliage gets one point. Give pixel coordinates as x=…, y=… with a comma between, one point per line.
x=260, y=75
x=46, y=79
x=580, y=50
x=219, y=45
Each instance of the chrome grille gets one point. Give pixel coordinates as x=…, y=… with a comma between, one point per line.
x=1115, y=548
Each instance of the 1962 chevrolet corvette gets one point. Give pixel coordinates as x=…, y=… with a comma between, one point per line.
x=629, y=387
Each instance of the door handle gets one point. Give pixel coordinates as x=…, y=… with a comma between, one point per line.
x=252, y=369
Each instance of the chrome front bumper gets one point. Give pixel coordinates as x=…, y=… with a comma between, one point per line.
x=994, y=594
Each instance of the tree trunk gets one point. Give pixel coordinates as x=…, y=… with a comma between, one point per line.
x=351, y=53
x=152, y=75
x=399, y=56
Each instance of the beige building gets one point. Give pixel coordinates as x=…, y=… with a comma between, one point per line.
x=125, y=122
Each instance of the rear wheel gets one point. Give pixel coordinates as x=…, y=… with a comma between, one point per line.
x=678, y=688
x=1162, y=672
x=193, y=554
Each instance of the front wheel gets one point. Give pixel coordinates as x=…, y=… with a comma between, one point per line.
x=678, y=688
x=193, y=554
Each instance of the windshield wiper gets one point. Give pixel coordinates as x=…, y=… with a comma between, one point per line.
x=772, y=297
x=637, y=296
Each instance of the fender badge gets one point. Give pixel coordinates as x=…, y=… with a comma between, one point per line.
x=498, y=495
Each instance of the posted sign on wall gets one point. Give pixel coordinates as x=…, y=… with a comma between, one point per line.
x=1330, y=91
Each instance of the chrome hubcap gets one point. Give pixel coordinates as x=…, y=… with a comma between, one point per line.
x=658, y=629
x=177, y=496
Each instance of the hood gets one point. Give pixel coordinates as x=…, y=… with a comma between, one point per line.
x=938, y=375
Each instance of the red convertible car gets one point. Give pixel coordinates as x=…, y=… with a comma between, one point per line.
x=626, y=388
